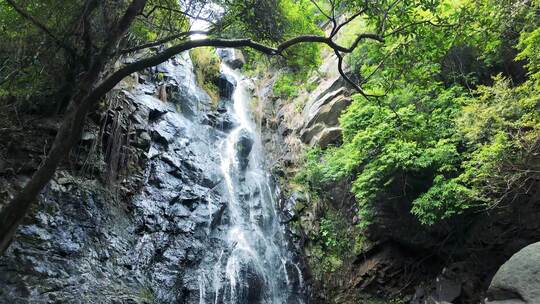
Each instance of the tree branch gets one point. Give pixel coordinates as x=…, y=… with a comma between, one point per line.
x=320, y=9
x=385, y=16
x=359, y=38
x=346, y=77
x=333, y=17
x=403, y=28
x=174, y=10
x=163, y=41
x=339, y=27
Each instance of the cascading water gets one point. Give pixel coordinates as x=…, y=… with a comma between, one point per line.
x=255, y=265
x=197, y=220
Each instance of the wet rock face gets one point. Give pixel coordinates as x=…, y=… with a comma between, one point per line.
x=518, y=280
x=232, y=57
x=222, y=119
x=243, y=148
x=253, y=285
x=160, y=234
x=84, y=243
x=226, y=86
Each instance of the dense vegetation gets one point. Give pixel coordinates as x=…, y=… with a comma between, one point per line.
x=207, y=64
x=445, y=119
x=455, y=122
x=44, y=52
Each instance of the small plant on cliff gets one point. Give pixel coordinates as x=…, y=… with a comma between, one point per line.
x=207, y=69
x=286, y=87
x=330, y=249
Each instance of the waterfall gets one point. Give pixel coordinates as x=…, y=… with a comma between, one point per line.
x=194, y=222
x=256, y=265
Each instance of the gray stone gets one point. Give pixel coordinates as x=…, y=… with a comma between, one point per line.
x=327, y=108
x=243, y=148
x=518, y=280
x=143, y=141
x=321, y=126
x=226, y=85
x=232, y=57
x=328, y=136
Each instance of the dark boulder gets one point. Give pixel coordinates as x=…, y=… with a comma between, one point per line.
x=226, y=84
x=243, y=148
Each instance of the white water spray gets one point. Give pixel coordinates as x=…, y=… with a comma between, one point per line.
x=254, y=267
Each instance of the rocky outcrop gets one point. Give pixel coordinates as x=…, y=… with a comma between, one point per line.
x=518, y=280
x=138, y=237
x=321, y=113
x=232, y=57
x=289, y=126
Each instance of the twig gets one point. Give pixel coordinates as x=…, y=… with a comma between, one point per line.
x=321, y=10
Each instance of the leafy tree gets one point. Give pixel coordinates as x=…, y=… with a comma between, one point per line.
x=452, y=109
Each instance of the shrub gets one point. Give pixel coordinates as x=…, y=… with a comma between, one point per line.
x=286, y=86
x=207, y=70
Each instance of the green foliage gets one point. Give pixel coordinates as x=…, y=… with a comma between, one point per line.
x=258, y=19
x=331, y=248
x=39, y=68
x=382, y=143
x=445, y=199
x=162, y=18
x=207, y=69
x=305, y=57
x=286, y=86
x=297, y=18
x=31, y=65
x=331, y=238
x=530, y=51
x=312, y=175
x=501, y=128
x=446, y=136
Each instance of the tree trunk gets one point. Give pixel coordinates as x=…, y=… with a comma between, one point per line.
x=68, y=133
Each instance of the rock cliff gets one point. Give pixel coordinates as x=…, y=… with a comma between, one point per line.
x=399, y=258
